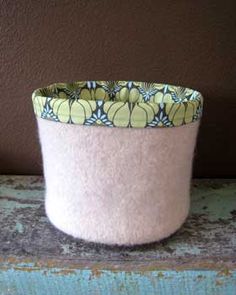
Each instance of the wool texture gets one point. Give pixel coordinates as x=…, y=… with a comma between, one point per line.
x=123, y=186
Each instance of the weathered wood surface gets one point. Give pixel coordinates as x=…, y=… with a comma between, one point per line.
x=200, y=256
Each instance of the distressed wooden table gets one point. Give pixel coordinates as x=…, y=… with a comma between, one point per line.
x=36, y=258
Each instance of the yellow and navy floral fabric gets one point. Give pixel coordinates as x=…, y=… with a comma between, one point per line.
x=118, y=104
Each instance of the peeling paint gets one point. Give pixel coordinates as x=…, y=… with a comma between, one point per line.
x=25, y=269
x=83, y=282
x=19, y=227
x=201, y=277
x=160, y=274
x=224, y=272
x=95, y=273
x=64, y=272
x=219, y=283
x=202, y=250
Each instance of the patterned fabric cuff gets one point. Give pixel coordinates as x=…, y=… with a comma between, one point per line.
x=118, y=104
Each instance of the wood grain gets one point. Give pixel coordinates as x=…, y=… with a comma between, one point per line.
x=201, y=256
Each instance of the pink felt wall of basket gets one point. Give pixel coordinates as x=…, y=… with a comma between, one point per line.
x=121, y=186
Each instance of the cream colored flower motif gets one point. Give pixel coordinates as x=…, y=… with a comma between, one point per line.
x=118, y=103
x=148, y=90
x=160, y=118
x=111, y=88
x=99, y=117
x=47, y=112
x=72, y=90
x=142, y=114
x=81, y=110
x=175, y=113
x=129, y=92
x=118, y=113
x=50, y=91
x=97, y=93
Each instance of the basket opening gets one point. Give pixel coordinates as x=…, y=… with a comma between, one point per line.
x=124, y=91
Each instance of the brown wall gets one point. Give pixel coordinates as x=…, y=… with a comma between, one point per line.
x=190, y=43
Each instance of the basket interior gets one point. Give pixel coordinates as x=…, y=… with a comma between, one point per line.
x=125, y=91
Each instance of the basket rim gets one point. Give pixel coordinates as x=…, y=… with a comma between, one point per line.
x=97, y=96
x=36, y=92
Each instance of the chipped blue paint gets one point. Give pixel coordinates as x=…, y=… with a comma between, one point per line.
x=9, y=207
x=36, y=259
x=214, y=200
x=53, y=281
x=19, y=227
x=187, y=250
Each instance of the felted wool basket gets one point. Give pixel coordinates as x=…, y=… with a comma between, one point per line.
x=117, y=157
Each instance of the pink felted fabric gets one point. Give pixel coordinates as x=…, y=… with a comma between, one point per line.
x=121, y=186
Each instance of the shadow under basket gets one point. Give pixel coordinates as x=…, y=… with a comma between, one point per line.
x=117, y=157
